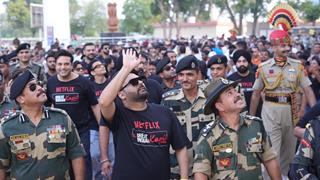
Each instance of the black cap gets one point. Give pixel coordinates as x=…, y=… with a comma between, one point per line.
x=23, y=46
x=217, y=59
x=212, y=92
x=19, y=83
x=189, y=62
x=161, y=64
x=13, y=54
x=239, y=53
x=4, y=59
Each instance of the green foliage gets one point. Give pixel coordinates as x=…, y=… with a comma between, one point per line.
x=311, y=12
x=89, y=19
x=138, y=17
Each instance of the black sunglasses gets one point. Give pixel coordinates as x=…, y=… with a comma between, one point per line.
x=33, y=86
x=134, y=81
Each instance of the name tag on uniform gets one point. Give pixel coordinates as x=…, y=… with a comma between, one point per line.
x=20, y=141
x=56, y=134
x=227, y=147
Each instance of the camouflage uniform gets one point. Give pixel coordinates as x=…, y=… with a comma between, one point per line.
x=191, y=118
x=35, y=68
x=279, y=110
x=42, y=151
x=306, y=163
x=7, y=107
x=223, y=153
x=166, y=89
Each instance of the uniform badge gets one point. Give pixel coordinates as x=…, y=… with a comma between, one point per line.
x=56, y=134
x=228, y=150
x=292, y=70
x=224, y=81
x=222, y=147
x=193, y=65
x=22, y=156
x=225, y=162
x=271, y=71
x=20, y=142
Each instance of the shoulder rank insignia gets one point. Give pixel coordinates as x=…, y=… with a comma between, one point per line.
x=208, y=128
x=170, y=93
x=252, y=118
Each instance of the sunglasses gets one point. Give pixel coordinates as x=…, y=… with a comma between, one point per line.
x=33, y=86
x=134, y=81
x=97, y=66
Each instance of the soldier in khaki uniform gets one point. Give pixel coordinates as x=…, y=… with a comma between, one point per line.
x=23, y=54
x=280, y=78
x=234, y=145
x=187, y=103
x=38, y=142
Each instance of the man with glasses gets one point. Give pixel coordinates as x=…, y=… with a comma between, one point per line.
x=187, y=103
x=143, y=132
x=104, y=52
x=74, y=94
x=38, y=142
x=167, y=73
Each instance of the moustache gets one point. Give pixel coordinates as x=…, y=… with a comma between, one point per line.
x=41, y=91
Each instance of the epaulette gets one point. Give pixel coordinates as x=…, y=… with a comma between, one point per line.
x=265, y=63
x=294, y=60
x=36, y=64
x=252, y=118
x=56, y=110
x=170, y=93
x=10, y=117
x=205, y=131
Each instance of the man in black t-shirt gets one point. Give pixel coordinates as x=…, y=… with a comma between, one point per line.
x=142, y=132
x=74, y=94
x=242, y=60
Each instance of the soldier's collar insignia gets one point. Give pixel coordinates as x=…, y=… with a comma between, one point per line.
x=224, y=81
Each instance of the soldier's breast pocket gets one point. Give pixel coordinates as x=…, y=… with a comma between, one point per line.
x=20, y=147
x=254, y=148
x=181, y=117
x=224, y=161
x=56, y=140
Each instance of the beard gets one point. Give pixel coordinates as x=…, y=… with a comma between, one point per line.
x=141, y=96
x=242, y=69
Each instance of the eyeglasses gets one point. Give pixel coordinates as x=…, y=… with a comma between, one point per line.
x=33, y=86
x=134, y=81
x=97, y=66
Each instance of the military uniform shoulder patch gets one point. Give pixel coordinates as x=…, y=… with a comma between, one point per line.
x=253, y=118
x=10, y=117
x=205, y=131
x=56, y=110
x=170, y=93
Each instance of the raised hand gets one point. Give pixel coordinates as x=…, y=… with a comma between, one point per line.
x=130, y=60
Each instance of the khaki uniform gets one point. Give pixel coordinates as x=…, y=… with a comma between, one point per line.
x=36, y=69
x=42, y=151
x=223, y=153
x=279, y=110
x=191, y=118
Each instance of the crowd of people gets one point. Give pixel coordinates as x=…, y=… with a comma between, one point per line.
x=177, y=109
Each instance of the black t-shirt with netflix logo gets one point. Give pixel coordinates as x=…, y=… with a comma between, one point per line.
x=75, y=97
x=142, y=140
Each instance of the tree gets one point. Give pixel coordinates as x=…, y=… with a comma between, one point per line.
x=89, y=19
x=138, y=17
x=310, y=11
x=257, y=9
x=18, y=16
x=236, y=9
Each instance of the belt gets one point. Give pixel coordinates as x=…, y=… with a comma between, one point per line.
x=279, y=99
